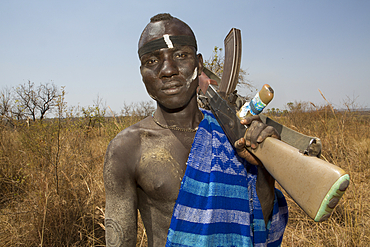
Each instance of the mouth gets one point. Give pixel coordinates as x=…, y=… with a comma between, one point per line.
x=172, y=87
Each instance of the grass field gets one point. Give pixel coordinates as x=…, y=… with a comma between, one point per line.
x=52, y=192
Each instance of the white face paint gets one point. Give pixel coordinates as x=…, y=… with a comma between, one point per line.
x=166, y=38
x=156, y=28
x=192, y=78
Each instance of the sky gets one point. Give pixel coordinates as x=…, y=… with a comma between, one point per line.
x=90, y=47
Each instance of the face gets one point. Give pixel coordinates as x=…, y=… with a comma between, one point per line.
x=170, y=75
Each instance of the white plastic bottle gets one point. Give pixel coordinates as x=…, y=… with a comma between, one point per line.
x=258, y=103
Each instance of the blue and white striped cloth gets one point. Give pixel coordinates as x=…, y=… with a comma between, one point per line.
x=217, y=203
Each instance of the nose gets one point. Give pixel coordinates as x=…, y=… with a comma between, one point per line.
x=168, y=69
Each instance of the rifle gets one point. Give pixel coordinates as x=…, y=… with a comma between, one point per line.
x=314, y=184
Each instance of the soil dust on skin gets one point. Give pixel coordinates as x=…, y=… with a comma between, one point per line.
x=154, y=152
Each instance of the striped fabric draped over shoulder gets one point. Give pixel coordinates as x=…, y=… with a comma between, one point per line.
x=217, y=203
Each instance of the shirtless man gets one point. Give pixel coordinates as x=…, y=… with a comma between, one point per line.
x=146, y=162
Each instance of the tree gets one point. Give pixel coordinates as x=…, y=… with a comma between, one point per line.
x=35, y=101
x=216, y=64
x=96, y=113
x=48, y=96
x=140, y=109
x=5, y=103
x=145, y=108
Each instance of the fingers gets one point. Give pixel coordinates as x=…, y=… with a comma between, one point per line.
x=257, y=132
x=241, y=150
x=269, y=131
x=244, y=153
x=240, y=145
x=249, y=120
x=253, y=134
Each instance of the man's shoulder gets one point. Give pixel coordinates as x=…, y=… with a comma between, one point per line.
x=130, y=136
x=124, y=150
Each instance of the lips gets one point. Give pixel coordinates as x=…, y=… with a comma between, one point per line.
x=172, y=87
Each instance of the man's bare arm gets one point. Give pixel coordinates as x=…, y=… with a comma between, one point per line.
x=120, y=190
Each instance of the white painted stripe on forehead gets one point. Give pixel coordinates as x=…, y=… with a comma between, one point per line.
x=166, y=38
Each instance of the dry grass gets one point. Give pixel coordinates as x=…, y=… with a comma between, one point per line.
x=345, y=136
x=52, y=193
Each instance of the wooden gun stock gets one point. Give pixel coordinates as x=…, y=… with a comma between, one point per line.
x=315, y=185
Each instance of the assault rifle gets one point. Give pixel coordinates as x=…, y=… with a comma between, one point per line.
x=314, y=184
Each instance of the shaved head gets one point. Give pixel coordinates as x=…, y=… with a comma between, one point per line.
x=161, y=17
x=162, y=24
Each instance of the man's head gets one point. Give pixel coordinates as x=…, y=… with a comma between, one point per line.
x=165, y=24
x=169, y=63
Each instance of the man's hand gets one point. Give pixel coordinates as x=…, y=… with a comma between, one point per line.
x=256, y=133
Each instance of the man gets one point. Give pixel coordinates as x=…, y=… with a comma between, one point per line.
x=145, y=163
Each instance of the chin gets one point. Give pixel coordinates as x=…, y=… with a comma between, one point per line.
x=175, y=104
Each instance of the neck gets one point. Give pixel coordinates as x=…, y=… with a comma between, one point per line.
x=187, y=117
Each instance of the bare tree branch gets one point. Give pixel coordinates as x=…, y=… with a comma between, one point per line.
x=35, y=102
x=216, y=64
x=47, y=98
x=5, y=103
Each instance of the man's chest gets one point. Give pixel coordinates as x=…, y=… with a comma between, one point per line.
x=161, y=169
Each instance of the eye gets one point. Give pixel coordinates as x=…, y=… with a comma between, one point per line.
x=150, y=61
x=180, y=55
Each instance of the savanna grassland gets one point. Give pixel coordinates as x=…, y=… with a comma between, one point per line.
x=52, y=191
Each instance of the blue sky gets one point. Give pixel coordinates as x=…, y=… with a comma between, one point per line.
x=90, y=47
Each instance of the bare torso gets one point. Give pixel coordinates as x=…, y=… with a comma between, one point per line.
x=159, y=167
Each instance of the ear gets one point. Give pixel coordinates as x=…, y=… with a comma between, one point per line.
x=200, y=64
